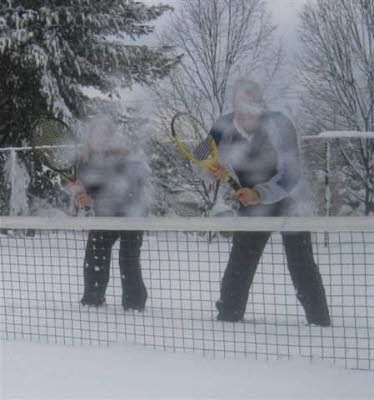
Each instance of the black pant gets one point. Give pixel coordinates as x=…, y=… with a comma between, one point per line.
x=244, y=257
x=97, y=263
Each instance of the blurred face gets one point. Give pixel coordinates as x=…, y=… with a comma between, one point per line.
x=99, y=144
x=100, y=136
x=248, y=108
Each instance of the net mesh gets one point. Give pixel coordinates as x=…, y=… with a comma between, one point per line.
x=182, y=263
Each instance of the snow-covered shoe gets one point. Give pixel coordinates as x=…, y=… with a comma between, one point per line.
x=134, y=297
x=93, y=299
x=316, y=309
x=228, y=314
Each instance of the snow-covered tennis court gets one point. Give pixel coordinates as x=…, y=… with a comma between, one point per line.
x=188, y=353
x=32, y=371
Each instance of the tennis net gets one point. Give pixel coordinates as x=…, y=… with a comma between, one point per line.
x=183, y=261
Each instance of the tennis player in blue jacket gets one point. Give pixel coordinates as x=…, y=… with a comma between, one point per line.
x=261, y=148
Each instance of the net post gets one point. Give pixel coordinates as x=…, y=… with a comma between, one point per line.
x=327, y=187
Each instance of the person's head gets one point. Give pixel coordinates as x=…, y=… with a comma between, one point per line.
x=101, y=130
x=249, y=104
x=101, y=134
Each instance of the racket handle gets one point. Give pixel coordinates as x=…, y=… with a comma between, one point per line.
x=233, y=183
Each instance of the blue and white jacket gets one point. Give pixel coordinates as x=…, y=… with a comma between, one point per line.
x=266, y=159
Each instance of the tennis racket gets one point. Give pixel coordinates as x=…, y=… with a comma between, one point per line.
x=56, y=146
x=193, y=143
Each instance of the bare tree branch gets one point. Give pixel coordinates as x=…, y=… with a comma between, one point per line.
x=337, y=72
x=219, y=40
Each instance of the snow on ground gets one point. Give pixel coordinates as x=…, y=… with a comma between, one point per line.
x=39, y=372
x=42, y=283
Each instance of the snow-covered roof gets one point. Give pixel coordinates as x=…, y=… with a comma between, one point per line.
x=342, y=134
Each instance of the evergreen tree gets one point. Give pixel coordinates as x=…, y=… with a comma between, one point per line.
x=50, y=51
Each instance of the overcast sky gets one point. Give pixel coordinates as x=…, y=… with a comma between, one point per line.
x=284, y=12
x=285, y=15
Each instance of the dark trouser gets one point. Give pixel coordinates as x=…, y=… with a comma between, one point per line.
x=97, y=265
x=244, y=257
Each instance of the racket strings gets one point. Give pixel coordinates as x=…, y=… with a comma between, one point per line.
x=50, y=133
x=203, y=150
x=55, y=133
x=197, y=146
x=192, y=135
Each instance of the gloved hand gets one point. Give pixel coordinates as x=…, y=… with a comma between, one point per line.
x=75, y=188
x=83, y=200
x=248, y=197
x=218, y=170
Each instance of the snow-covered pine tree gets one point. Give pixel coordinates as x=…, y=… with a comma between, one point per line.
x=50, y=50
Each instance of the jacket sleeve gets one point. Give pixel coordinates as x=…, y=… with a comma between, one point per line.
x=216, y=134
x=90, y=175
x=283, y=137
x=140, y=193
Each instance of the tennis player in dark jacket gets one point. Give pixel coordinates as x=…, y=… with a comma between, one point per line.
x=114, y=182
x=261, y=148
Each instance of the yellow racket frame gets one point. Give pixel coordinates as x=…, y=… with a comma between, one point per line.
x=208, y=164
